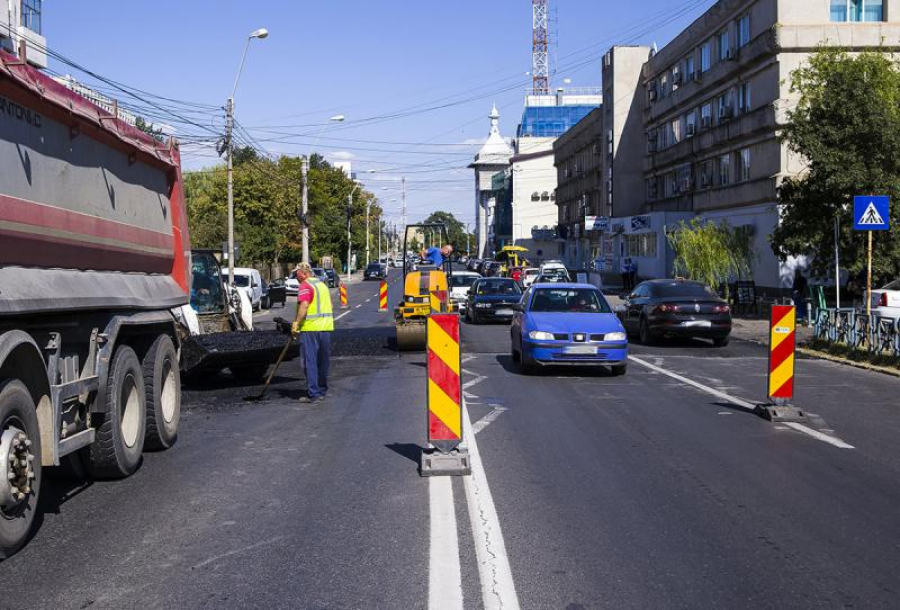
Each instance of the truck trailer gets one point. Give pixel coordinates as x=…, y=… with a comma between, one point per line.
x=94, y=258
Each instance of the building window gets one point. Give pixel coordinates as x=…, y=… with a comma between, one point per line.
x=706, y=174
x=724, y=170
x=744, y=165
x=857, y=10
x=671, y=184
x=724, y=46
x=664, y=84
x=744, y=97
x=705, y=56
x=690, y=124
x=744, y=31
x=689, y=66
x=676, y=131
x=725, y=107
x=706, y=115
x=31, y=15
x=676, y=77
x=651, y=188
x=641, y=244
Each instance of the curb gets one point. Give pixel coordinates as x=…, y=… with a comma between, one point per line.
x=859, y=365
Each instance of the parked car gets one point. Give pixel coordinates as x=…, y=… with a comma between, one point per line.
x=375, y=271
x=291, y=285
x=553, y=267
x=886, y=301
x=249, y=281
x=320, y=274
x=567, y=324
x=676, y=308
x=273, y=293
x=460, y=283
x=529, y=274
x=333, y=279
x=492, y=299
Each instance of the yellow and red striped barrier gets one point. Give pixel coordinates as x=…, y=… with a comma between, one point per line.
x=781, y=353
x=440, y=300
x=343, y=297
x=444, y=385
x=382, y=297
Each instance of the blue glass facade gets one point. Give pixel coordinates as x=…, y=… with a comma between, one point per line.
x=550, y=121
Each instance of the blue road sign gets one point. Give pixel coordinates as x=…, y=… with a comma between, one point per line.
x=871, y=213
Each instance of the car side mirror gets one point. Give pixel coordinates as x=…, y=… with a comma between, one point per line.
x=518, y=307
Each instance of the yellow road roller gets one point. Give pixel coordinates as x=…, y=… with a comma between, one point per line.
x=425, y=286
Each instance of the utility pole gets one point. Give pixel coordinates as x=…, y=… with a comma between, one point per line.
x=403, y=195
x=468, y=245
x=349, y=238
x=229, y=125
x=304, y=170
x=368, y=206
x=379, y=239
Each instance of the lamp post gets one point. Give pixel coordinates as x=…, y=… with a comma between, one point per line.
x=229, y=150
x=349, y=235
x=304, y=166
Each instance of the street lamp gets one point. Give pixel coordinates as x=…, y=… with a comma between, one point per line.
x=229, y=150
x=349, y=235
x=304, y=168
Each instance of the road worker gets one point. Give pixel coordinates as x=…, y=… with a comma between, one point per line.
x=314, y=324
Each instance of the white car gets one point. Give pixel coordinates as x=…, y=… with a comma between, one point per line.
x=460, y=283
x=886, y=301
x=249, y=281
x=528, y=276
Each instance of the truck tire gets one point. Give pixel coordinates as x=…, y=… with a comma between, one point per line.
x=17, y=410
x=162, y=381
x=116, y=451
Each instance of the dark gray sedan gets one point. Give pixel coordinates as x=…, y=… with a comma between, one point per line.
x=658, y=309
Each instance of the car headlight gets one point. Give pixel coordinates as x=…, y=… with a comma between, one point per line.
x=540, y=335
x=619, y=336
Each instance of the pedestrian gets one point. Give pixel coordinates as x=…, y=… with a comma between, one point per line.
x=436, y=256
x=798, y=292
x=624, y=267
x=632, y=273
x=313, y=324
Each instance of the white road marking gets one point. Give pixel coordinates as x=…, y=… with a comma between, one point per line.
x=444, y=575
x=341, y=316
x=832, y=440
x=472, y=382
x=488, y=419
x=498, y=591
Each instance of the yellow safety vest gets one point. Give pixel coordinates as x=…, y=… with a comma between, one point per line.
x=319, y=316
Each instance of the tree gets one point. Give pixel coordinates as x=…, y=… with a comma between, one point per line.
x=710, y=253
x=846, y=127
x=455, y=229
x=149, y=129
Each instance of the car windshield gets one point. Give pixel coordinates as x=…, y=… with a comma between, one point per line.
x=569, y=300
x=500, y=286
x=553, y=279
x=206, y=285
x=241, y=281
x=895, y=285
x=682, y=289
x=462, y=281
x=374, y=266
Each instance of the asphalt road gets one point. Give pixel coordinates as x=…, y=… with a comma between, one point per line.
x=653, y=490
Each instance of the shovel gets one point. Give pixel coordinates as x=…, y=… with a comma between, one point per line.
x=265, y=387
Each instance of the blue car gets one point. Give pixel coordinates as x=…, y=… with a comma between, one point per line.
x=567, y=323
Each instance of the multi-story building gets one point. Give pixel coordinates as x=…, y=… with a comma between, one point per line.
x=716, y=97
x=20, y=25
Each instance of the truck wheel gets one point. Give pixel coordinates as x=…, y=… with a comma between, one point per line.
x=20, y=471
x=252, y=373
x=116, y=451
x=162, y=381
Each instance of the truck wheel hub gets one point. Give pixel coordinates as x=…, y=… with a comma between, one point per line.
x=16, y=468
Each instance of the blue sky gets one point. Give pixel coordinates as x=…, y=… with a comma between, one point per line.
x=367, y=61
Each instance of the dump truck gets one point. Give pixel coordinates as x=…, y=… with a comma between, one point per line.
x=95, y=266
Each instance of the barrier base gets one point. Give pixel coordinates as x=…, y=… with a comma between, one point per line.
x=435, y=464
x=781, y=413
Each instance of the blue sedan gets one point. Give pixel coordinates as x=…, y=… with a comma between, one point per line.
x=567, y=324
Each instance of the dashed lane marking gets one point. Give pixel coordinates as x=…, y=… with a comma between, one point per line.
x=488, y=419
x=831, y=440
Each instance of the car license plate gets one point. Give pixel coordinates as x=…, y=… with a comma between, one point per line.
x=699, y=323
x=504, y=312
x=580, y=350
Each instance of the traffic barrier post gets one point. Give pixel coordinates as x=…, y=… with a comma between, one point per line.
x=444, y=455
x=440, y=300
x=344, y=297
x=382, y=297
x=782, y=345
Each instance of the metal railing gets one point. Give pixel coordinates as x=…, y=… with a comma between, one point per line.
x=874, y=334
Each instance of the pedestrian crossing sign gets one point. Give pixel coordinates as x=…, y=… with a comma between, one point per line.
x=871, y=213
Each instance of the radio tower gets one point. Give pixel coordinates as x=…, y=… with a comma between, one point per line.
x=540, y=63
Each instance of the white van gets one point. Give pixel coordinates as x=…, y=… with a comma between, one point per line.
x=249, y=281
x=551, y=267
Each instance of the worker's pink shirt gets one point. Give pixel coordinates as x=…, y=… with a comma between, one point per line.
x=305, y=293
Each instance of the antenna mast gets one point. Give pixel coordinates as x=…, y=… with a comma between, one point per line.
x=540, y=64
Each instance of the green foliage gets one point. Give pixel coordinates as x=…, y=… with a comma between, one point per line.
x=148, y=128
x=267, y=203
x=846, y=127
x=455, y=228
x=711, y=253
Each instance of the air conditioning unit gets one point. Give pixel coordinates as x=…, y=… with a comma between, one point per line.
x=706, y=122
x=726, y=112
x=653, y=94
x=729, y=54
x=686, y=185
x=690, y=129
x=696, y=76
x=677, y=78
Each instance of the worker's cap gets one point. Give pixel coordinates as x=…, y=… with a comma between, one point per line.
x=304, y=267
